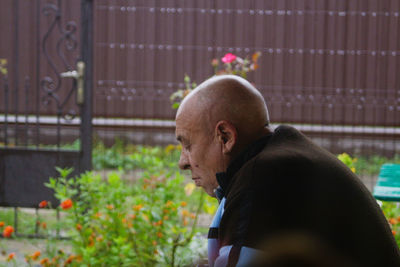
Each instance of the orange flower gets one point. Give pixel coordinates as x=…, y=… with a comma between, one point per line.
x=185, y=213
x=393, y=232
x=183, y=204
x=132, y=216
x=43, y=204
x=154, y=243
x=11, y=256
x=145, y=217
x=78, y=258
x=159, y=234
x=69, y=260
x=392, y=221
x=35, y=255
x=91, y=241
x=54, y=259
x=1, y=224
x=44, y=261
x=66, y=204
x=8, y=231
x=138, y=207
x=192, y=215
x=169, y=203
x=110, y=206
x=44, y=225
x=98, y=215
x=185, y=222
x=78, y=227
x=255, y=56
x=159, y=223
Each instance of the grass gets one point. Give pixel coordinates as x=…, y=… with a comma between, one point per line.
x=28, y=221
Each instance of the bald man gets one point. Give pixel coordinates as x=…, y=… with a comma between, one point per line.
x=273, y=183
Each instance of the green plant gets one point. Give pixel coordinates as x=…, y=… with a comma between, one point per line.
x=112, y=222
x=348, y=161
x=180, y=94
x=3, y=66
x=228, y=64
x=392, y=214
x=232, y=64
x=26, y=222
x=151, y=223
x=129, y=157
x=371, y=165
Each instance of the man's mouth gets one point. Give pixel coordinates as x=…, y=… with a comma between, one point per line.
x=196, y=180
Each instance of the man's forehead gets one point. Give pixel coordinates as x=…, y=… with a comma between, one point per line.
x=183, y=128
x=187, y=124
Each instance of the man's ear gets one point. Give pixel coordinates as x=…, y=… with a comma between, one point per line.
x=227, y=135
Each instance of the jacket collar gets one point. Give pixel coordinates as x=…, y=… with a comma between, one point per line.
x=224, y=178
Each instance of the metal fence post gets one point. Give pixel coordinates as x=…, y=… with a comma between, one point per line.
x=86, y=109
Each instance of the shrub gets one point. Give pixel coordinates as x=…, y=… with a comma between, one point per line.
x=392, y=214
x=129, y=157
x=150, y=223
x=348, y=161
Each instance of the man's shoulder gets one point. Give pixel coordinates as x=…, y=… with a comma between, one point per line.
x=286, y=143
x=289, y=153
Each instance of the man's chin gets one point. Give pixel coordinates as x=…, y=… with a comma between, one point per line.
x=197, y=182
x=211, y=194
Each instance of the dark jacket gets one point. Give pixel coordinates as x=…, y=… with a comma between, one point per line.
x=285, y=185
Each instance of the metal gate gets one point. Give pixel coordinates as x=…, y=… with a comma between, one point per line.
x=45, y=100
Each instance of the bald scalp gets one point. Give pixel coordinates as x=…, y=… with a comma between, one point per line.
x=227, y=98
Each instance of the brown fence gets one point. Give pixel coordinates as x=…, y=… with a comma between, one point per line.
x=333, y=62
x=323, y=62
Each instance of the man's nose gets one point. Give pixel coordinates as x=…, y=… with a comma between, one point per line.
x=183, y=162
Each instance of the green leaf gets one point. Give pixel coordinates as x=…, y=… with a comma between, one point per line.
x=114, y=179
x=64, y=172
x=176, y=105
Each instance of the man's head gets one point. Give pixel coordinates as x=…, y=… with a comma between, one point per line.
x=215, y=122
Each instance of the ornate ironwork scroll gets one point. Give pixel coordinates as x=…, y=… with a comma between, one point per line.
x=66, y=43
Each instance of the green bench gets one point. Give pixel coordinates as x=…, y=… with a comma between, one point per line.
x=387, y=187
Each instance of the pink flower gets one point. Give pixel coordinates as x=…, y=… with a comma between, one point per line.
x=228, y=58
